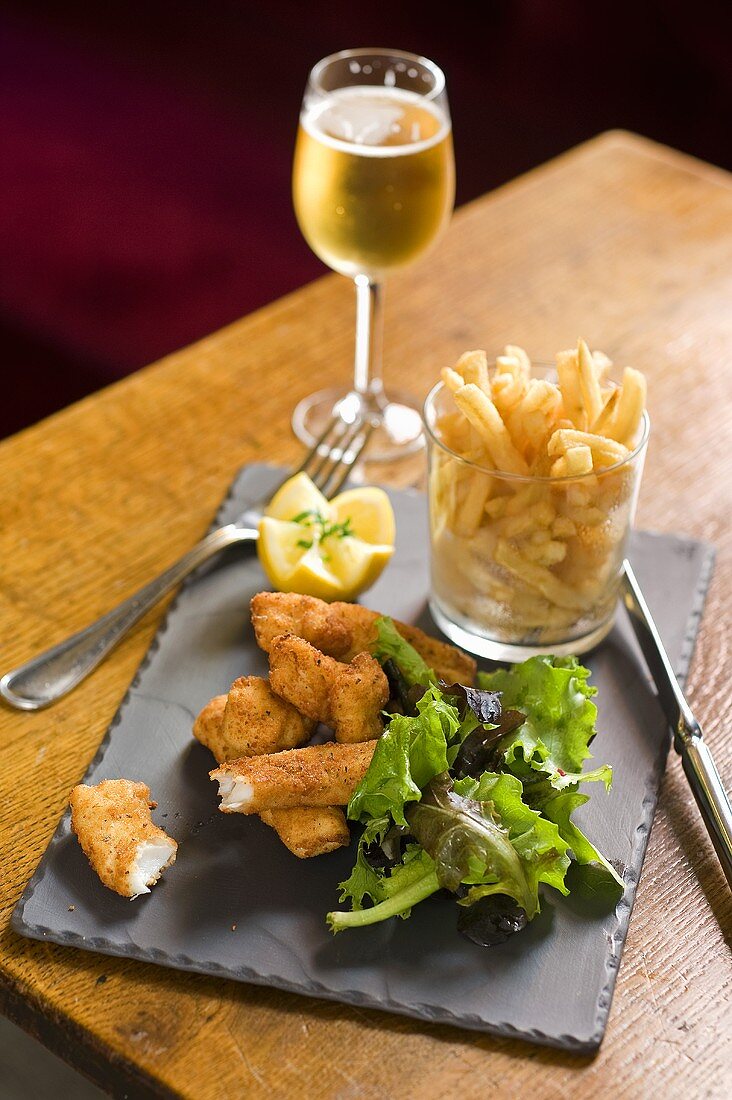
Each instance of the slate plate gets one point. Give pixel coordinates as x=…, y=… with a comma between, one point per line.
x=238, y=905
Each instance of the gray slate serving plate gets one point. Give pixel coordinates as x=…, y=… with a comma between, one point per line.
x=238, y=905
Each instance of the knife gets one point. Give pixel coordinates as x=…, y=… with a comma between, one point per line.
x=696, y=759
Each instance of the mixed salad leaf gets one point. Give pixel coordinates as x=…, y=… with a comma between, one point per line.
x=472, y=790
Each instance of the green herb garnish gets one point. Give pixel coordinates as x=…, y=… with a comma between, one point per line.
x=322, y=528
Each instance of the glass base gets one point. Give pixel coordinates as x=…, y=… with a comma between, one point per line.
x=509, y=652
x=399, y=431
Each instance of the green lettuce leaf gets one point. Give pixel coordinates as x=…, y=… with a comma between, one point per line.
x=388, y=783
x=539, y=843
x=391, y=646
x=364, y=880
x=480, y=833
x=410, y=752
x=394, y=893
x=554, y=740
x=559, y=809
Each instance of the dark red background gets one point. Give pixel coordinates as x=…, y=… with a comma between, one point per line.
x=146, y=148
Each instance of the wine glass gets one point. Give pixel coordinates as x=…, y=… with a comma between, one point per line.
x=373, y=189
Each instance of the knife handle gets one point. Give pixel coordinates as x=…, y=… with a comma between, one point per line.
x=710, y=795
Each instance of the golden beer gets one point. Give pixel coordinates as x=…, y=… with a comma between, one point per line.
x=374, y=178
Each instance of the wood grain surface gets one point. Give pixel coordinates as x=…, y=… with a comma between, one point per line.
x=621, y=240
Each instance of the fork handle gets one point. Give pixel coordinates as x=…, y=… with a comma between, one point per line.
x=54, y=673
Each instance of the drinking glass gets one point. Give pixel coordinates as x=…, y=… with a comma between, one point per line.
x=373, y=189
x=523, y=565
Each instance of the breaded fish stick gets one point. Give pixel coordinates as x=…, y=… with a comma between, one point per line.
x=342, y=630
x=347, y=697
x=307, y=830
x=208, y=727
x=275, y=613
x=319, y=775
x=257, y=721
x=114, y=826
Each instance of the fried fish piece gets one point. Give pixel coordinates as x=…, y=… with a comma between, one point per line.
x=347, y=697
x=276, y=613
x=257, y=721
x=115, y=829
x=342, y=630
x=208, y=727
x=309, y=831
x=318, y=775
x=306, y=831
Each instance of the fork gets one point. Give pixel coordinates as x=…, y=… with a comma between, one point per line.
x=55, y=672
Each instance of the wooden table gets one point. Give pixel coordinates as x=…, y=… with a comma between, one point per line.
x=621, y=240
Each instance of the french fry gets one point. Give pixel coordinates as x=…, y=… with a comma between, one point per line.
x=547, y=554
x=513, y=351
x=563, y=527
x=523, y=497
x=605, y=452
x=509, y=364
x=473, y=366
x=455, y=431
x=469, y=513
x=574, y=462
x=569, y=384
x=496, y=507
x=530, y=420
x=629, y=408
x=538, y=515
x=452, y=379
x=589, y=384
x=538, y=577
x=605, y=416
x=483, y=415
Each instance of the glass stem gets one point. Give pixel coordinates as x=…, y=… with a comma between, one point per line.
x=369, y=329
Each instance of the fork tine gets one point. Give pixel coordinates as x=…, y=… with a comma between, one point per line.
x=337, y=462
x=319, y=442
x=347, y=462
x=339, y=456
x=329, y=443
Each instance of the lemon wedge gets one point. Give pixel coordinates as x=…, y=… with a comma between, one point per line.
x=331, y=549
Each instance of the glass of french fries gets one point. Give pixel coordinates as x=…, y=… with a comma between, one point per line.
x=533, y=482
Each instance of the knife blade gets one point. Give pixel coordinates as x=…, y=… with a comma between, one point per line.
x=696, y=759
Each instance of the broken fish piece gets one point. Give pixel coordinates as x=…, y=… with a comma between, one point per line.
x=118, y=836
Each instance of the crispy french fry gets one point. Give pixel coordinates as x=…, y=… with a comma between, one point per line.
x=629, y=408
x=513, y=351
x=538, y=577
x=470, y=511
x=569, y=384
x=531, y=419
x=547, y=554
x=483, y=415
x=605, y=452
x=452, y=379
x=496, y=507
x=574, y=462
x=604, y=418
x=473, y=366
x=563, y=527
x=523, y=497
x=506, y=391
x=455, y=431
x=589, y=384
